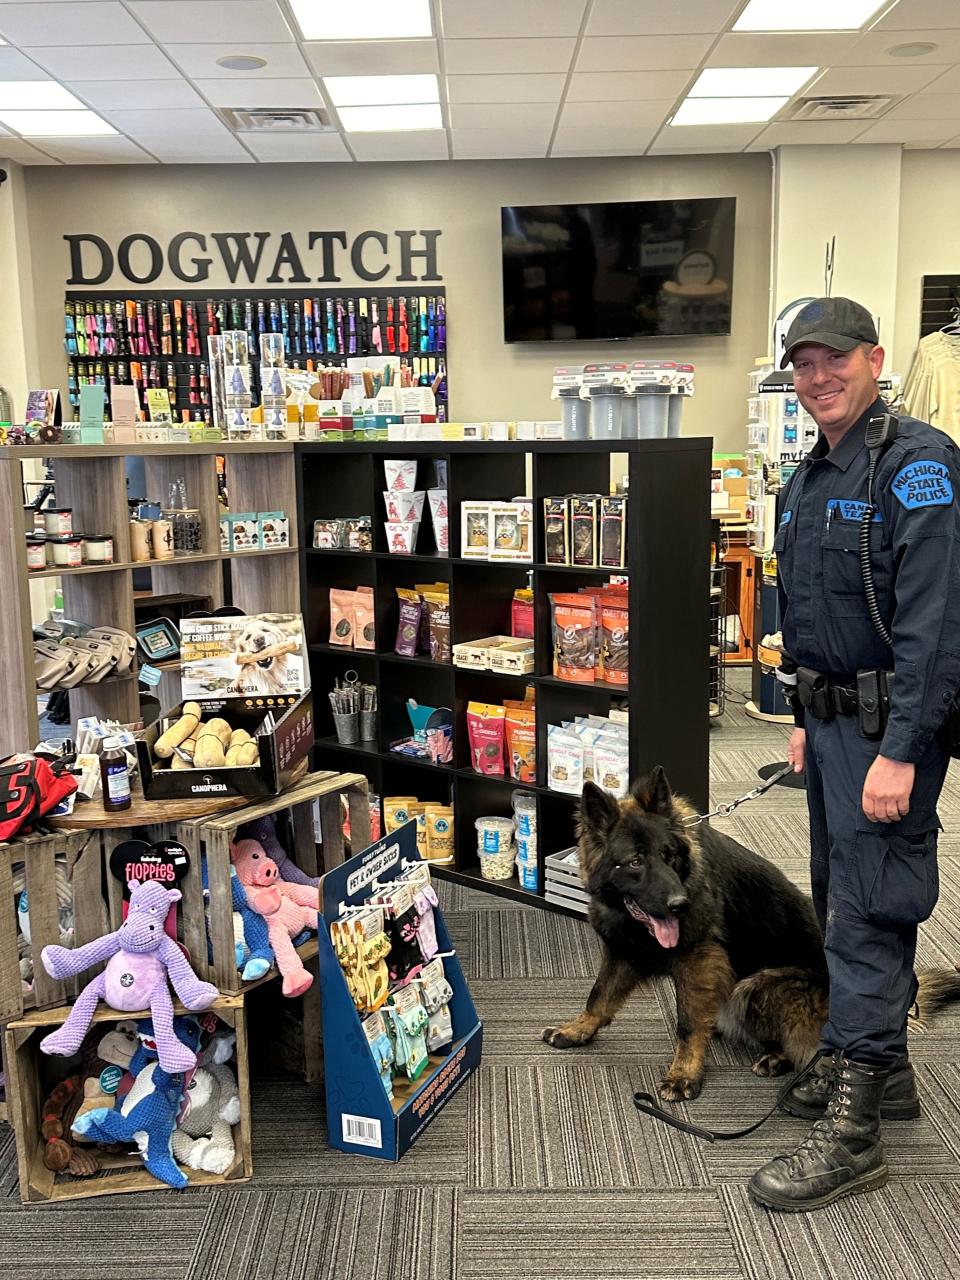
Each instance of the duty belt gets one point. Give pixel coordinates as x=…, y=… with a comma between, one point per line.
x=822, y=698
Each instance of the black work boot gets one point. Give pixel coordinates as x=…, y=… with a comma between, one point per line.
x=840, y=1156
x=810, y=1098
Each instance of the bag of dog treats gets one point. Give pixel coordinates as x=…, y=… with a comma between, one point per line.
x=485, y=724
x=396, y=811
x=364, y=624
x=342, y=607
x=408, y=625
x=564, y=760
x=520, y=725
x=439, y=832
x=615, y=639
x=521, y=614
x=437, y=607
x=574, y=638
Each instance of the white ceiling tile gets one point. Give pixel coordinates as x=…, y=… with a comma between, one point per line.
x=96, y=151
x=627, y=86
x=106, y=62
x=417, y=144
x=362, y=57
x=616, y=115
x=306, y=147
x=529, y=88
x=872, y=49
x=914, y=15
x=627, y=17
x=642, y=53
x=464, y=57
x=23, y=153
x=757, y=49
x=15, y=66
x=164, y=124
x=592, y=140
x=128, y=95
x=928, y=106
x=203, y=149
x=790, y=133
x=186, y=21
x=491, y=144
x=949, y=82
x=703, y=138
x=246, y=92
x=200, y=60
x=465, y=115
x=930, y=131
x=887, y=79
x=75, y=24
x=467, y=19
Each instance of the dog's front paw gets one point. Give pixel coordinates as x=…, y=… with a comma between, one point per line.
x=569, y=1037
x=770, y=1064
x=680, y=1088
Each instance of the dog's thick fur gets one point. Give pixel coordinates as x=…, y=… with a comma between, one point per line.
x=740, y=942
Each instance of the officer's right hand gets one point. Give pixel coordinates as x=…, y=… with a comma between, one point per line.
x=796, y=749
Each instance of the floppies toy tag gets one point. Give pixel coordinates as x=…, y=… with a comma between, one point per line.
x=165, y=861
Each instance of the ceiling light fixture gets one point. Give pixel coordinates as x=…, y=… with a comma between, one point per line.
x=56, y=124
x=241, y=62
x=37, y=95
x=363, y=19
x=918, y=50
x=750, y=82
x=727, y=110
x=423, y=115
x=376, y=91
x=813, y=15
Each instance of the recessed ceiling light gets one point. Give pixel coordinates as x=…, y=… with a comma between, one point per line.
x=37, y=95
x=363, y=19
x=813, y=15
x=422, y=115
x=750, y=82
x=363, y=91
x=918, y=50
x=56, y=124
x=241, y=62
x=727, y=110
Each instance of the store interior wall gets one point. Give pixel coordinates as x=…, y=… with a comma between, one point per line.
x=488, y=379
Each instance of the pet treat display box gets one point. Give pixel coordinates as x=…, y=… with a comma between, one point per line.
x=361, y=1119
x=252, y=671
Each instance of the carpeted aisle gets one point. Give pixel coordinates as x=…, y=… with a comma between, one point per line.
x=540, y=1169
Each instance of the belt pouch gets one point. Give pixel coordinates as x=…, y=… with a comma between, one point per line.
x=869, y=704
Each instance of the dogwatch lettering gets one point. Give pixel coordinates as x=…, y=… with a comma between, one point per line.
x=251, y=257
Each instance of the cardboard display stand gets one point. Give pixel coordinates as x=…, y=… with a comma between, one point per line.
x=361, y=1119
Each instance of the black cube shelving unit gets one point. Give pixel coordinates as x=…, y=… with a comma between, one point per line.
x=668, y=560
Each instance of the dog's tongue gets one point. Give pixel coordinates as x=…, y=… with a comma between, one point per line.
x=667, y=932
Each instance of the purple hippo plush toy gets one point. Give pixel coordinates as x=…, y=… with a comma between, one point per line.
x=140, y=956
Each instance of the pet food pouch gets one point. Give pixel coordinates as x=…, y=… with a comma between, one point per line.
x=485, y=724
x=611, y=764
x=556, y=530
x=408, y=626
x=520, y=724
x=396, y=811
x=364, y=625
x=564, y=760
x=583, y=529
x=439, y=832
x=613, y=523
x=438, y=622
x=615, y=633
x=342, y=606
x=521, y=614
x=574, y=638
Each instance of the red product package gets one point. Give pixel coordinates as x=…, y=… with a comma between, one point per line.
x=521, y=614
x=485, y=726
x=574, y=638
x=615, y=639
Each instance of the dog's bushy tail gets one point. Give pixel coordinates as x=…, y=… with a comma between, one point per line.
x=937, y=989
x=784, y=1007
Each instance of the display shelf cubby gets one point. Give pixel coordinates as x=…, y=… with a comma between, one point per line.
x=668, y=556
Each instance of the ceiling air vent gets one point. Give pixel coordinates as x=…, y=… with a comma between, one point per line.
x=845, y=107
x=276, y=120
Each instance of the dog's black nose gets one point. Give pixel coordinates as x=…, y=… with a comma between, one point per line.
x=679, y=904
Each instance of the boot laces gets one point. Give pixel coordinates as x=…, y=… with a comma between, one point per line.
x=824, y=1133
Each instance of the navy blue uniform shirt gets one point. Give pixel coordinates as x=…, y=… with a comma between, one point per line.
x=915, y=553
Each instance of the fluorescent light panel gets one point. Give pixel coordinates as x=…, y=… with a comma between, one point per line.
x=750, y=82
x=727, y=110
x=812, y=15
x=56, y=124
x=423, y=115
x=363, y=19
x=370, y=91
x=37, y=95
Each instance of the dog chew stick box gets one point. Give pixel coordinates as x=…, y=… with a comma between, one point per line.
x=251, y=671
x=361, y=1119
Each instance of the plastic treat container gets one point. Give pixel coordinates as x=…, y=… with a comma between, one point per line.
x=574, y=414
x=525, y=813
x=628, y=418
x=652, y=409
x=674, y=410
x=606, y=411
x=497, y=866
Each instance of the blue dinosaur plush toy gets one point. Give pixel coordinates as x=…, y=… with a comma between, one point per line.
x=147, y=1117
x=187, y=1030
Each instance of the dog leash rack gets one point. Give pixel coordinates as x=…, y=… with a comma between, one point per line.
x=724, y=810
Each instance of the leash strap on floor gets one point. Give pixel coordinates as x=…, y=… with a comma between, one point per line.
x=647, y=1105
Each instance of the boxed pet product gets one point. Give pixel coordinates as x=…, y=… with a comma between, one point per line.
x=274, y=527
x=244, y=531
x=475, y=525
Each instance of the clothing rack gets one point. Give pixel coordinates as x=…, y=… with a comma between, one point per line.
x=940, y=302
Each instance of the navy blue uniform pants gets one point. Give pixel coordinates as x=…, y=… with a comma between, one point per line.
x=872, y=883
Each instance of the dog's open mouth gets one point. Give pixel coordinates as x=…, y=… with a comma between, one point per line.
x=264, y=663
x=666, y=931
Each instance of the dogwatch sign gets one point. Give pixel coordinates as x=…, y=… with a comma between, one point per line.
x=314, y=257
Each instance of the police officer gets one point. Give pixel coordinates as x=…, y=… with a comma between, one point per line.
x=872, y=799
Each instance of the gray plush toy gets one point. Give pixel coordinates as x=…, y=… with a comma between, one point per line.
x=204, y=1138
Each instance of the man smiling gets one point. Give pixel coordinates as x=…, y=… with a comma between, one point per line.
x=869, y=710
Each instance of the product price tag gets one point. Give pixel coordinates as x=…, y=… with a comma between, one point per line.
x=405, y=999
x=374, y=1028
x=150, y=675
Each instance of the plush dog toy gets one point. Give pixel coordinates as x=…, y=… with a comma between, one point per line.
x=147, y=1117
x=287, y=909
x=140, y=957
x=56, y=1117
x=104, y=1066
x=204, y=1137
x=264, y=831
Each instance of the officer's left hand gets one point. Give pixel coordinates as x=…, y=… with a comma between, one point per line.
x=886, y=791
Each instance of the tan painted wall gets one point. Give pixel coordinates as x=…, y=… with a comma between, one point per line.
x=488, y=379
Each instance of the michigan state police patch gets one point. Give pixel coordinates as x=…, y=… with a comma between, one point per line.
x=923, y=484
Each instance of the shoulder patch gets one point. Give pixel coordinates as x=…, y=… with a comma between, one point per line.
x=925, y=483
x=786, y=517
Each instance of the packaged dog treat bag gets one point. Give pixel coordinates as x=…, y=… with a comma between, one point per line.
x=574, y=638
x=408, y=623
x=341, y=616
x=485, y=732
x=615, y=637
x=520, y=724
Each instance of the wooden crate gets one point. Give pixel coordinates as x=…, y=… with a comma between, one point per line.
x=35, y=856
x=30, y=1075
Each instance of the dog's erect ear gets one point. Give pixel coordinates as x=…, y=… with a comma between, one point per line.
x=653, y=792
x=599, y=812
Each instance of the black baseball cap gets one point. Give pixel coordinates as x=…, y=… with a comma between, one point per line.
x=840, y=323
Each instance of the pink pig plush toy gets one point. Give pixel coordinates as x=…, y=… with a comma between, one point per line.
x=287, y=908
x=140, y=957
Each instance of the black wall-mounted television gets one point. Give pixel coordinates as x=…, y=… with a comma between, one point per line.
x=638, y=269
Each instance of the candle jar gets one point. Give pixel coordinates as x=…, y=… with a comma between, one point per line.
x=139, y=540
x=36, y=551
x=97, y=548
x=67, y=551
x=58, y=520
x=161, y=539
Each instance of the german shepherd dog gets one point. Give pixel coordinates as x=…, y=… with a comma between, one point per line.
x=740, y=942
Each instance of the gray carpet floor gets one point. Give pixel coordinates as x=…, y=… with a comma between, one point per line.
x=540, y=1169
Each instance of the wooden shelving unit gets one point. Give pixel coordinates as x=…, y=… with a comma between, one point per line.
x=92, y=481
x=668, y=537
